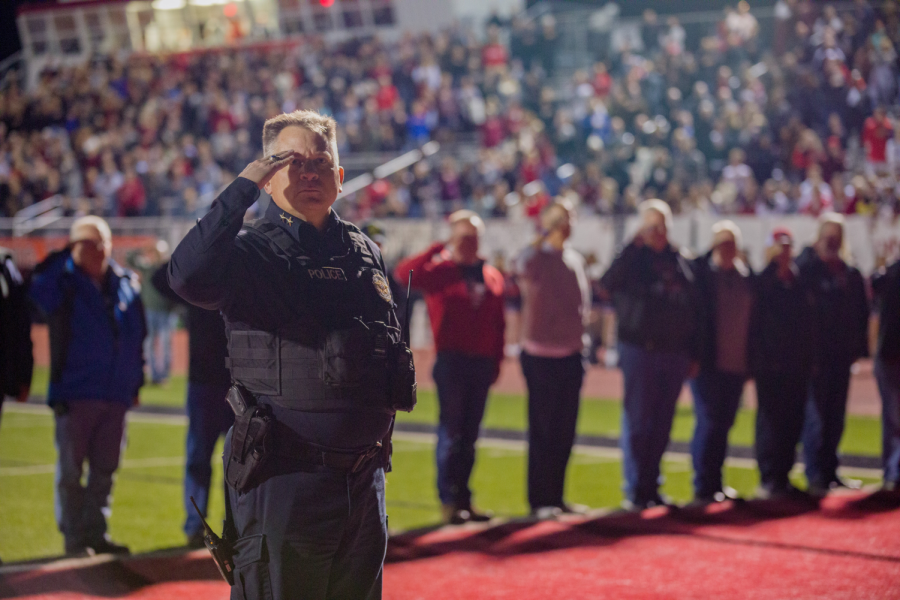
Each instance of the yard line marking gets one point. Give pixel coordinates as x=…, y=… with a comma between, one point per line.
x=128, y=463
x=431, y=438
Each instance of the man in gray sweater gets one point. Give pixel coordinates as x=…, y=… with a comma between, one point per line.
x=556, y=302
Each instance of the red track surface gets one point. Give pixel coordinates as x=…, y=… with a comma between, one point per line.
x=850, y=548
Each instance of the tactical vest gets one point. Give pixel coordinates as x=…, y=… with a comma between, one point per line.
x=341, y=352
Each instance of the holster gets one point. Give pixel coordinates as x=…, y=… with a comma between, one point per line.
x=251, y=445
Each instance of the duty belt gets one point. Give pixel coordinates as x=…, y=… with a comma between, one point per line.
x=288, y=445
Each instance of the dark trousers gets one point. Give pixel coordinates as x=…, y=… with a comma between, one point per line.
x=315, y=534
x=653, y=383
x=888, y=376
x=209, y=417
x=717, y=396
x=554, y=389
x=826, y=407
x=781, y=399
x=92, y=431
x=462, y=385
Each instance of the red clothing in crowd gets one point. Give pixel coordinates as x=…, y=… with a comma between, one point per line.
x=493, y=55
x=875, y=136
x=466, y=317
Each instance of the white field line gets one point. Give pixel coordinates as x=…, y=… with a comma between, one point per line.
x=605, y=454
x=128, y=463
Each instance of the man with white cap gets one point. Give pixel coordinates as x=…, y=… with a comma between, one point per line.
x=726, y=285
x=96, y=319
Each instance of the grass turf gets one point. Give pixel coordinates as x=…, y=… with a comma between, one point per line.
x=147, y=501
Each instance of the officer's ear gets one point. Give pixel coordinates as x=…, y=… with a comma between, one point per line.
x=341, y=176
x=268, y=187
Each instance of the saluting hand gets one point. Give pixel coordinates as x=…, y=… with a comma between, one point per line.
x=261, y=171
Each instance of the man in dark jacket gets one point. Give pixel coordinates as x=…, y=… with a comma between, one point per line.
x=16, y=361
x=97, y=330
x=886, y=286
x=654, y=293
x=841, y=326
x=781, y=350
x=209, y=416
x=725, y=284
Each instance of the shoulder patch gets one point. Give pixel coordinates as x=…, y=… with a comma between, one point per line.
x=382, y=286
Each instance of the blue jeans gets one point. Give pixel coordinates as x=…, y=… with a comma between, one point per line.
x=717, y=396
x=826, y=407
x=91, y=430
x=653, y=383
x=888, y=376
x=158, y=343
x=462, y=386
x=310, y=533
x=209, y=416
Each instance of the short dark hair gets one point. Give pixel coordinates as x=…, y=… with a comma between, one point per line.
x=307, y=119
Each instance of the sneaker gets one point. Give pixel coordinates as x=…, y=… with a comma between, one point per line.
x=106, y=546
x=845, y=482
x=456, y=515
x=546, y=513
x=703, y=500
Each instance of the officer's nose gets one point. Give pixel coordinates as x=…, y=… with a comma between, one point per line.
x=307, y=170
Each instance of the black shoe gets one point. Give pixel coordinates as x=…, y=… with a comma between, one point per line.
x=195, y=541
x=105, y=546
x=75, y=549
x=640, y=504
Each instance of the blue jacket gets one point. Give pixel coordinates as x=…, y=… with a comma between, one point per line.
x=96, y=339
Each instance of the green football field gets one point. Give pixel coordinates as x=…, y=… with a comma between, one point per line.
x=147, y=498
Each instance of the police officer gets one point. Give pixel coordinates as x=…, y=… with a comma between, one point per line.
x=312, y=338
x=16, y=362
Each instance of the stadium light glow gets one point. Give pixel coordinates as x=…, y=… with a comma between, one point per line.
x=168, y=4
x=207, y=2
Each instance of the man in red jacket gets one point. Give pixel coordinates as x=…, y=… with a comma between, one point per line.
x=464, y=296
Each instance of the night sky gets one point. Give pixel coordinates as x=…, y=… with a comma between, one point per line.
x=9, y=35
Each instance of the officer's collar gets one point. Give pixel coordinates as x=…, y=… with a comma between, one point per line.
x=297, y=227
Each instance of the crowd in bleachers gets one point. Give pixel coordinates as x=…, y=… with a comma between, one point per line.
x=720, y=122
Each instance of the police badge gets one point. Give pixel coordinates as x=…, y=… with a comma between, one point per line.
x=381, y=286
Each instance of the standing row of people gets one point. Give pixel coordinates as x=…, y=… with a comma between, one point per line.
x=796, y=328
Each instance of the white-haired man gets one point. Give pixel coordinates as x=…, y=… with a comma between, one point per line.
x=464, y=296
x=726, y=287
x=96, y=319
x=319, y=370
x=841, y=333
x=654, y=293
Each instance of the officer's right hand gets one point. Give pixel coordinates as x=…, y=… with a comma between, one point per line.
x=261, y=171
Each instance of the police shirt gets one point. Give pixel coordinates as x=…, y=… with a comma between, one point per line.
x=216, y=268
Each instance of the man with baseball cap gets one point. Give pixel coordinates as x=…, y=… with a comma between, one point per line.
x=781, y=347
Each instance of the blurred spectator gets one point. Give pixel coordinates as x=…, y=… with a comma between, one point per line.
x=556, y=303
x=161, y=320
x=726, y=288
x=209, y=416
x=781, y=357
x=886, y=286
x=97, y=330
x=653, y=289
x=465, y=301
x=841, y=330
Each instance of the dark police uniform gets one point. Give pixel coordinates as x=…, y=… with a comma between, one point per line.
x=295, y=302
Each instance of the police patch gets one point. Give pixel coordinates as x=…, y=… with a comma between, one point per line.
x=381, y=286
x=329, y=273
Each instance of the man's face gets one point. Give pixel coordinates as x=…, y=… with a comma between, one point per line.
x=831, y=239
x=725, y=249
x=654, y=230
x=91, y=253
x=310, y=184
x=464, y=239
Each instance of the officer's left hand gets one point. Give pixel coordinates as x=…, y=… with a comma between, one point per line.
x=261, y=171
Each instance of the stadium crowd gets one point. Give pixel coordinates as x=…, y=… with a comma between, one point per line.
x=717, y=122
